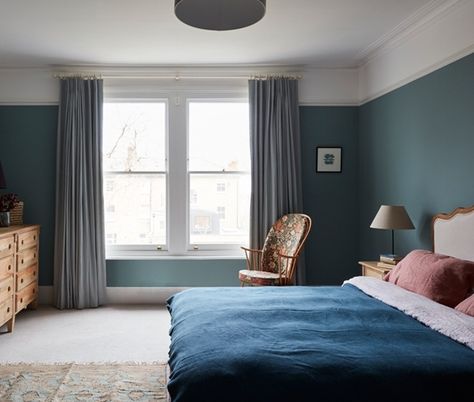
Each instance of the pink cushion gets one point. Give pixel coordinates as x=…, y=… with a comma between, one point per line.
x=446, y=280
x=466, y=306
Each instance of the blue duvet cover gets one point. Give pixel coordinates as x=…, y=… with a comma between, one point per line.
x=302, y=344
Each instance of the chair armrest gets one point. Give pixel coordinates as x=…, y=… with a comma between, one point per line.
x=289, y=268
x=287, y=256
x=253, y=258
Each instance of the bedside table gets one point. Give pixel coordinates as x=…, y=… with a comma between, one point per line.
x=370, y=268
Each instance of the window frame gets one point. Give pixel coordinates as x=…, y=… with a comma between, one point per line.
x=178, y=244
x=229, y=247
x=132, y=249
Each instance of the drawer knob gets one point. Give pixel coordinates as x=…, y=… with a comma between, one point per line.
x=9, y=246
x=8, y=309
x=9, y=288
x=9, y=267
x=21, y=280
x=22, y=241
x=22, y=261
x=21, y=300
x=34, y=237
x=34, y=291
x=34, y=255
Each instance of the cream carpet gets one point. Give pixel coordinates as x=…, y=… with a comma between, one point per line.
x=106, y=334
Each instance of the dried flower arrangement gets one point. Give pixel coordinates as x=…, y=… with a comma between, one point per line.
x=8, y=202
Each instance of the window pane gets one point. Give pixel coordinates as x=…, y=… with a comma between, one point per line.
x=219, y=214
x=219, y=136
x=135, y=208
x=134, y=136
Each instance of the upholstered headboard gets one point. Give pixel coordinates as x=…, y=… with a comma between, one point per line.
x=453, y=233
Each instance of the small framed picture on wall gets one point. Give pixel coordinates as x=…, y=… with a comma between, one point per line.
x=328, y=159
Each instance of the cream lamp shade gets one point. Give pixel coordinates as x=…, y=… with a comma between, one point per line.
x=392, y=217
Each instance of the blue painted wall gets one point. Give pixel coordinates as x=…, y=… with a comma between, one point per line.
x=174, y=273
x=330, y=198
x=28, y=155
x=416, y=148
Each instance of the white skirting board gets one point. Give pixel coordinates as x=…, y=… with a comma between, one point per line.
x=123, y=295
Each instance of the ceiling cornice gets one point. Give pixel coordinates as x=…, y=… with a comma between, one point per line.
x=409, y=27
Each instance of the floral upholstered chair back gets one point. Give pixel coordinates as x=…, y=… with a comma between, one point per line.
x=286, y=237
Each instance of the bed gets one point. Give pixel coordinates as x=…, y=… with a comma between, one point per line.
x=367, y=340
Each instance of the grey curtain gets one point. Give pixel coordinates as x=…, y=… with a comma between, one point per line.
x=79, y=255
x=275, y=156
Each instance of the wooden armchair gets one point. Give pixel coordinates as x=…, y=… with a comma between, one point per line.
x=275, y=263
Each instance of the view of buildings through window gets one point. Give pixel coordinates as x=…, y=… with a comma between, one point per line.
x=219, y=167
x=135, y=173
x=134, y=169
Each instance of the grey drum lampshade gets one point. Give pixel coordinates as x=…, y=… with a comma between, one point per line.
x=3, y=182
x=220, y=15
x=392, y=217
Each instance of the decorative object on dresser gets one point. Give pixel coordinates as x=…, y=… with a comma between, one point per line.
x=392, y=217
x=7, y=203
x=373, y=269
x=16, y=214
x=19, y=249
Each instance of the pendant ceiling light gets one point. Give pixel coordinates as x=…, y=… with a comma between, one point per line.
x=220, y=15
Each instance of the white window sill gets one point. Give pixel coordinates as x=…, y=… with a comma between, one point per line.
x=146, y=256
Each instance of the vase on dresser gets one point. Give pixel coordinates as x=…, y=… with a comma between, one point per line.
x=4, y=219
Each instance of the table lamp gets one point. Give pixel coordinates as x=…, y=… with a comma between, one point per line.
x=392, y=217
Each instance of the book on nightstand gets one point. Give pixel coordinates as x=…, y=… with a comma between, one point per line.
x=390, y=258
x=385, y=265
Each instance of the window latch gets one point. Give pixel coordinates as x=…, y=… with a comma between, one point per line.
x=159, y=247
x=195, y=247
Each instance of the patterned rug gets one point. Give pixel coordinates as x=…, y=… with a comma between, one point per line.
x=83, y=382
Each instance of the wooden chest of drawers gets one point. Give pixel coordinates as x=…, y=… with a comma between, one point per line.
x=19, y=248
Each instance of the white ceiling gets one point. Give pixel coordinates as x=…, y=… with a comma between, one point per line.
x=323, y=33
